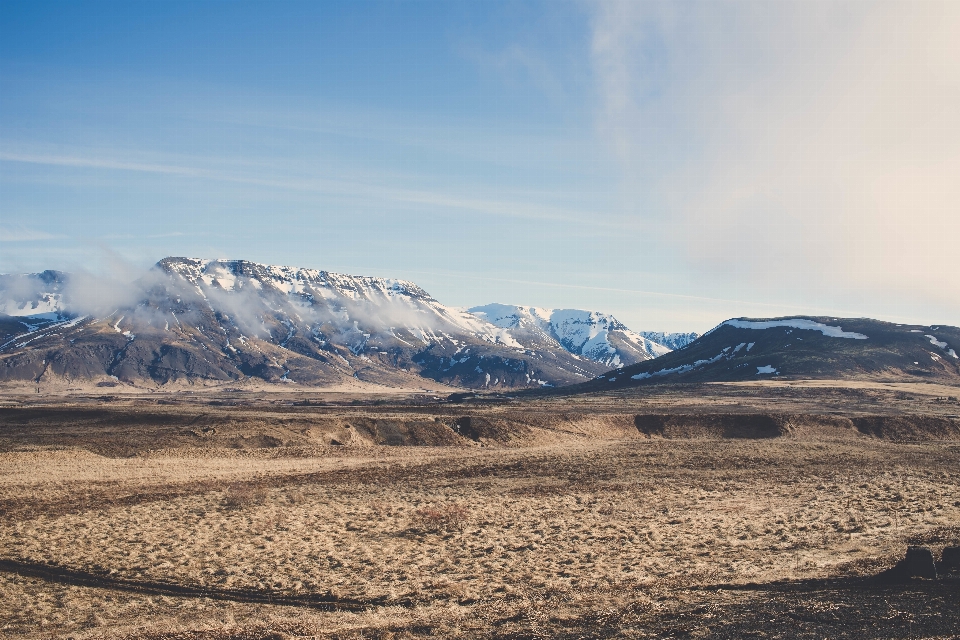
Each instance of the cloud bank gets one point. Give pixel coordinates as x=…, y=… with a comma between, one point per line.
x=806, y=147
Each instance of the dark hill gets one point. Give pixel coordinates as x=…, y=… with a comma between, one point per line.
x=800, y=348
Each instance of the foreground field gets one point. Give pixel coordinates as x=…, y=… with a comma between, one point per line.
x=630, y=536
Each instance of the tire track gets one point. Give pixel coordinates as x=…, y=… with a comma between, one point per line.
x=79, y=578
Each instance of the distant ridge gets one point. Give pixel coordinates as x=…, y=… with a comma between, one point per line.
x=596, y=336
x=209, y=322
x=747, y=349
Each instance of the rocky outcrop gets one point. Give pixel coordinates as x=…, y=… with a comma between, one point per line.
x=917, y=563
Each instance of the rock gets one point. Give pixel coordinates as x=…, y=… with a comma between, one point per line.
x=950, y=560
x=918, y=563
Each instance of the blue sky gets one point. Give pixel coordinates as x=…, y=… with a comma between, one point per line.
x=672, y=163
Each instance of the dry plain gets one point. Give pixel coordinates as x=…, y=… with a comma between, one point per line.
x=720, y=511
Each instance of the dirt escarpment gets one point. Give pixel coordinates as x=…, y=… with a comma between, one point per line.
x=908, y=427
x=133, y=429
x=760, y=425
x=709, y=426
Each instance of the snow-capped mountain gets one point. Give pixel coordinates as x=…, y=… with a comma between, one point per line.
x=672, y=341
x=589, y=334
x=212, y=321
x=368, y=310
x=804, y=347
x=35, y=294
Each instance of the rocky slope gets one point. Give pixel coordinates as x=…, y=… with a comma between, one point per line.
x=801, y=347
x=39, y=295
x=218, y=321
x=589, y=334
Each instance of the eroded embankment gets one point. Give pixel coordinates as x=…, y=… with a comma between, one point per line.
x=128, y=431
x=132, y=430
x=761, y=425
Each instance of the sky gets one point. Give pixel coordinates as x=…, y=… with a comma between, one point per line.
x=675, y=164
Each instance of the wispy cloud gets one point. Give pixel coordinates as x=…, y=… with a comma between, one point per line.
x=532, y=208
x=129, y=236
x=792, y=146
x=743, y=304
x=94, y=162
x=23, y=234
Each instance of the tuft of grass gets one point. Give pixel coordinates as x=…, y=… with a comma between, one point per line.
x=441, y=518
x=238, y=496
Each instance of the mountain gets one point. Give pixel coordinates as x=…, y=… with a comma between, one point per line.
x=595, y=336
x=39, y=295
x=671, y=341
x=218, y=321
x=744, y=349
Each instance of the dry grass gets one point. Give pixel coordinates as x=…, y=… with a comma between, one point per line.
x=587, y=537
x=458, y=535
x=442, y=518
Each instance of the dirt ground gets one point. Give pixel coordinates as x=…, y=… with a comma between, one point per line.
x=347, y=517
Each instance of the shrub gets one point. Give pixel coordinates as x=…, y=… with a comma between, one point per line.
x=441, y=518
x=243, y=495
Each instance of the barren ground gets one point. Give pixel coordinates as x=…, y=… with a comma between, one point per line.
x=741, y=512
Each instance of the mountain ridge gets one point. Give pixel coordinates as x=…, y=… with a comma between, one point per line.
x=211, y=321
x=591, y=334
x=800, y=347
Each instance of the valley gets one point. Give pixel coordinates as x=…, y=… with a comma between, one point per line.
x=712, y=510
x=500, y=320
x=251, y=451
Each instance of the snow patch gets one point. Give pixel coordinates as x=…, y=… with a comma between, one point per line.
x=942, y=345
x=589, y=334
x=796, y=323
x=681, y=369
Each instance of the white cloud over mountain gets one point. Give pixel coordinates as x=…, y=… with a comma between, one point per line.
x=806, y=148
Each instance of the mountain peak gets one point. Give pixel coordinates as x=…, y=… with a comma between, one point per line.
x=590, y=334
x=213, y=321
x=224, y=273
